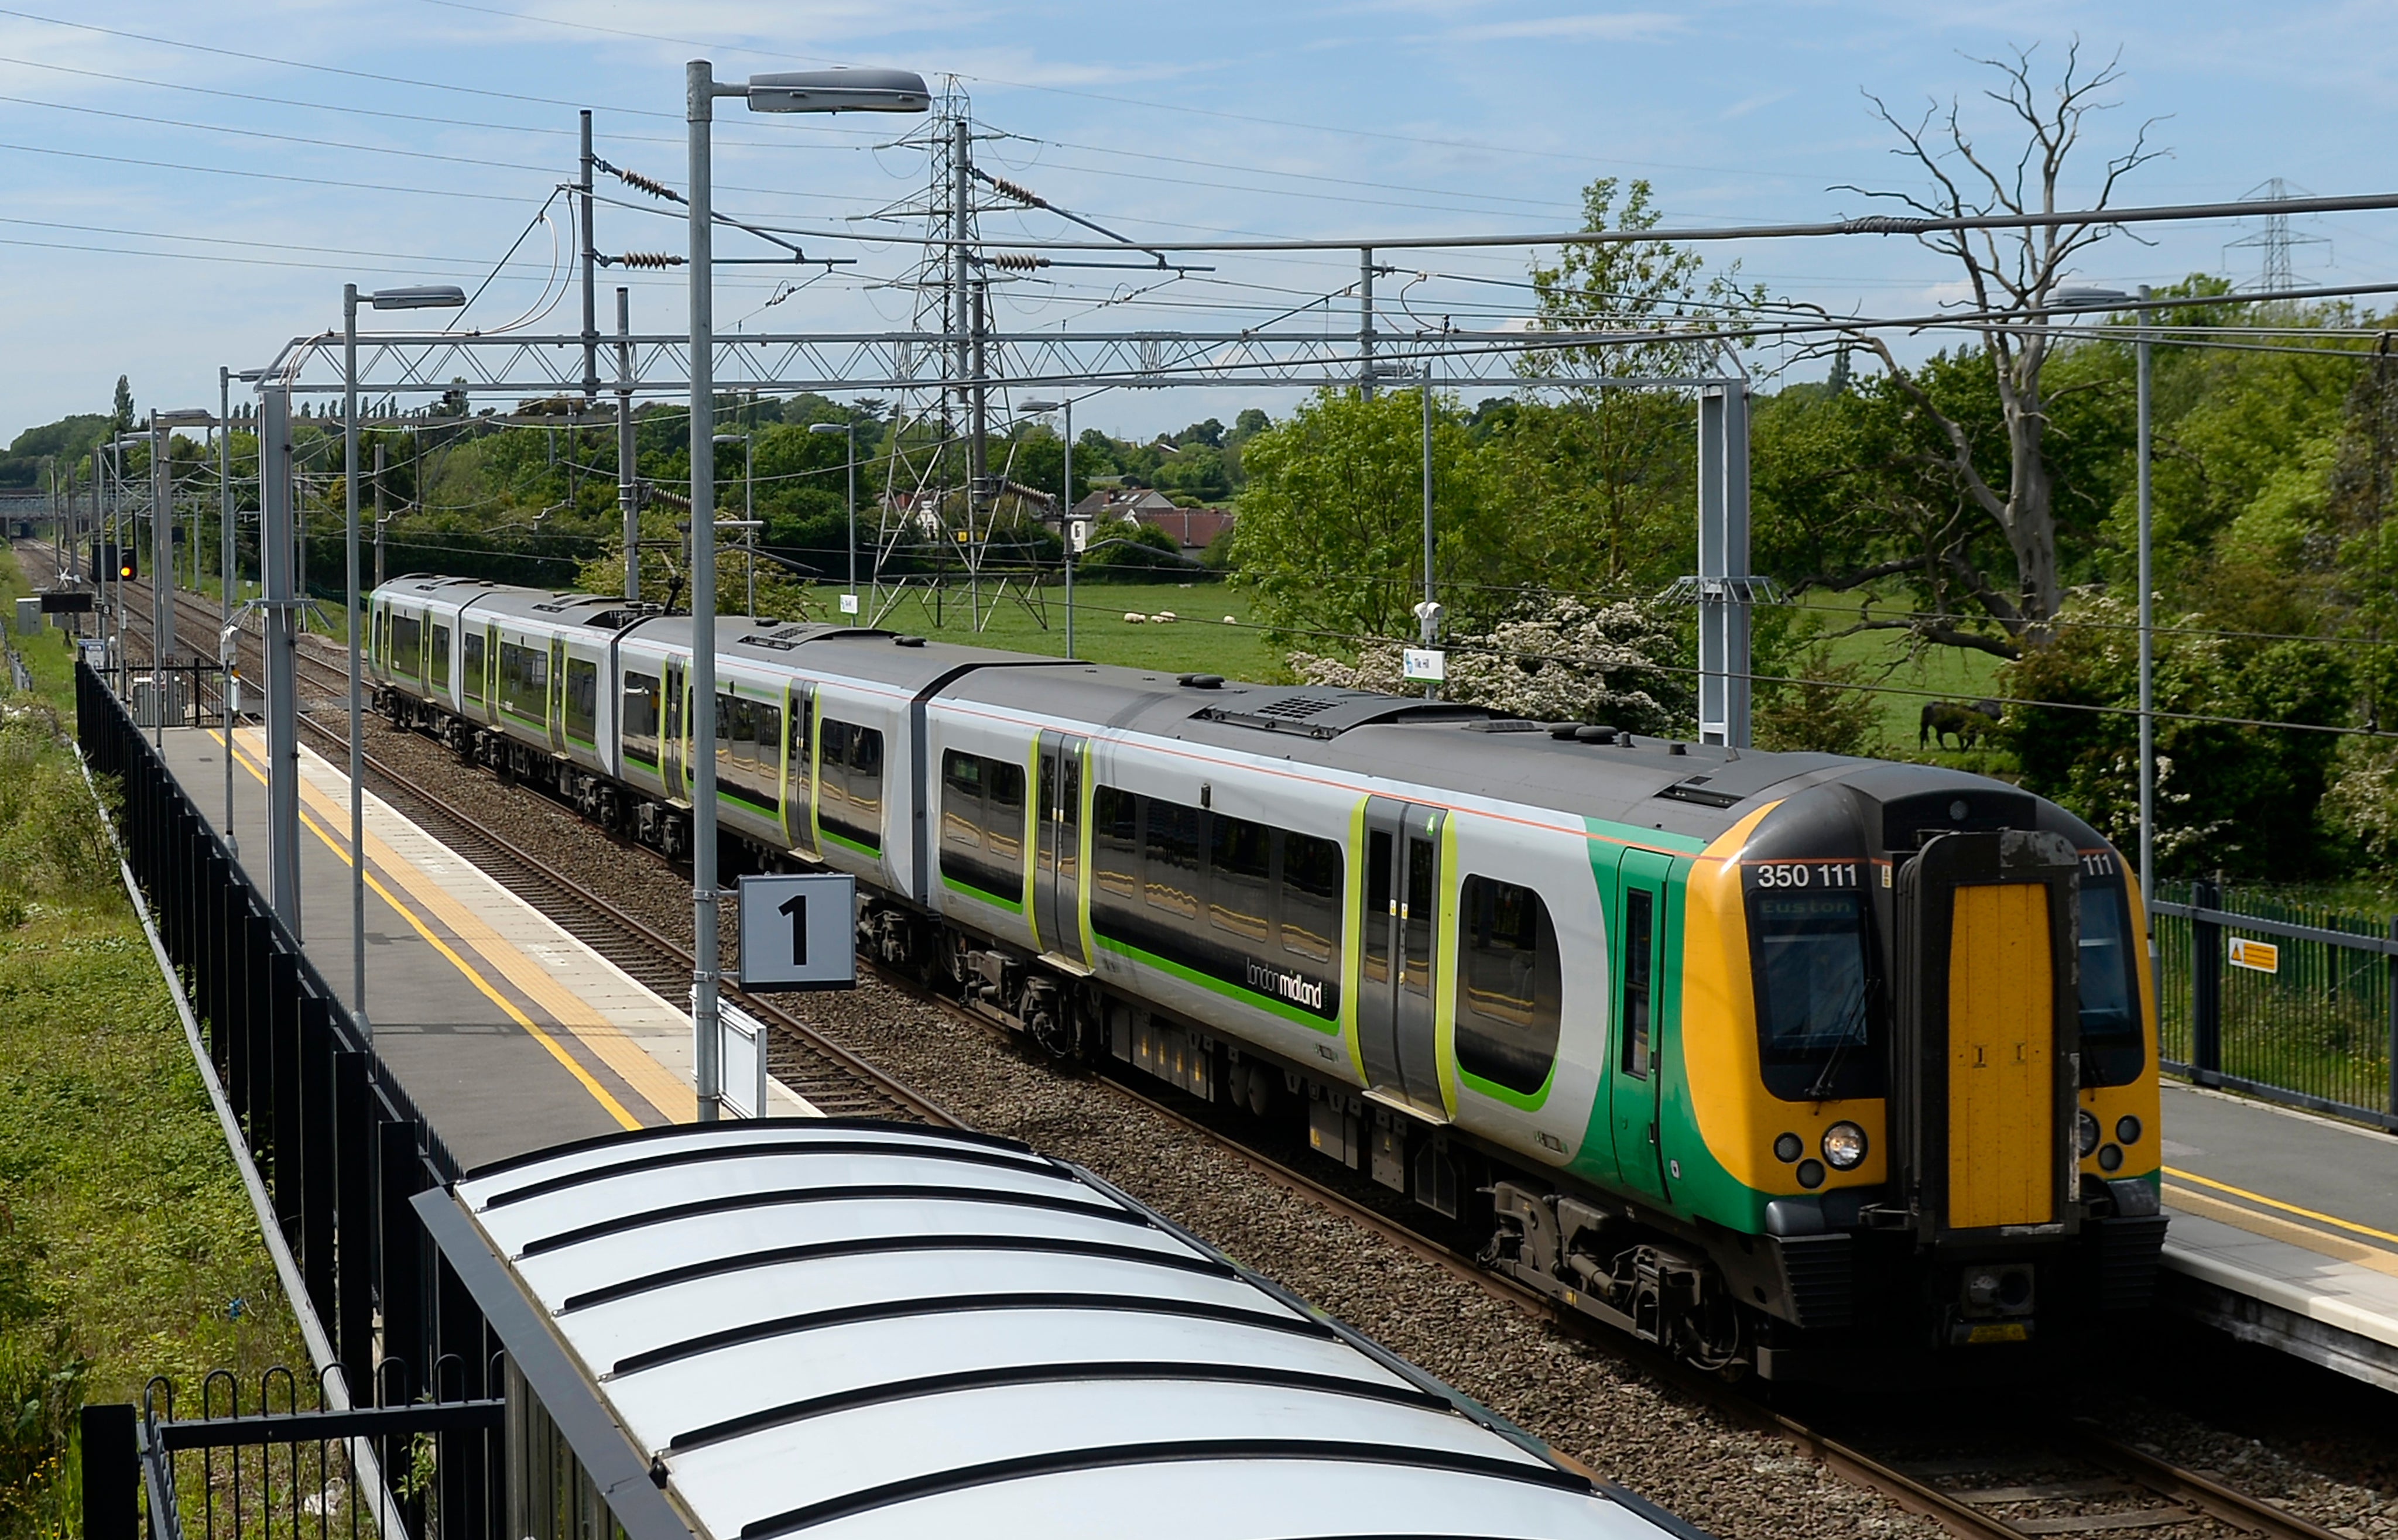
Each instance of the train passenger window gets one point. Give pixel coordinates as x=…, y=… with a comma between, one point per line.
x=1240, y=877
x=638, y=719
x=583, y=701
x=849, y=799
x=982, y=824
x=1813, y=995
x=749, y=752
x=1310, y=896
x=524, y=682
x=1170, y=858
x=1639, y=946
x=471, y=665
x=1115, y=843
x=2113, y=1049
x=1233, y=900
x=802, y=747
x=408, y=647
x=1511, y=994
x=440, y=658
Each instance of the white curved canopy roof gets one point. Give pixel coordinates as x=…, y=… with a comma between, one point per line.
x=854, y=1330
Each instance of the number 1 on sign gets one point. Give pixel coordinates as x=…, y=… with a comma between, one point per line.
x=797, y=907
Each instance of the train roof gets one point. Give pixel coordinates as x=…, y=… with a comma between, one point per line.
x=880, y=1330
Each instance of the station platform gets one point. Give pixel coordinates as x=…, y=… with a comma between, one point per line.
x=2284, y=1229
x=509, y=1033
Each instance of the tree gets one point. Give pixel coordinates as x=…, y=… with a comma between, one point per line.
x=122, y=416
x=2012, y=277
x=1604, y=479
x=1332, y=519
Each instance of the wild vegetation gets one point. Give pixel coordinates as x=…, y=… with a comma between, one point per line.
x=127, y=1248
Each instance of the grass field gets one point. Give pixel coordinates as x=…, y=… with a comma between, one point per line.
x=1196, y=642
x=128, y=1247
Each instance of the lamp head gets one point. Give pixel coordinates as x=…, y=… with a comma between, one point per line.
x=832, y=427
x=840, y=91
x=2088, y=297
x=1042, y=406
x=419, y=296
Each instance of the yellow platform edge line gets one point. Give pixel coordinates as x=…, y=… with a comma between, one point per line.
x=2288, y=1232
x=557, y=1051
x=607, y=1041
x=2349, y=1225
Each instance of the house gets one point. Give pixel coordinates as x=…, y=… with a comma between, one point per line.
x=1193, y=528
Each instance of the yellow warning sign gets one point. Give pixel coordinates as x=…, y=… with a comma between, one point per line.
x=2262, y=955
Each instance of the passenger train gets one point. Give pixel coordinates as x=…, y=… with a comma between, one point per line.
x=1795, y=1063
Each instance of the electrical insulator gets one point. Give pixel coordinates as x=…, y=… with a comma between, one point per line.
x=1016, y=261
x=649, y=258
x=1019, y=193
x=654, y=188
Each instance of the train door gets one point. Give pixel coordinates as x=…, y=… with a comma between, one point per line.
x=557, y=693
x=1401, y=945
x=491, y=672
x=1635, y=1092
x=1057, y=865
x=800, y=767
x=670, y=744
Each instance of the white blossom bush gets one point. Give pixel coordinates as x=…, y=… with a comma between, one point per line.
x=1565, y=662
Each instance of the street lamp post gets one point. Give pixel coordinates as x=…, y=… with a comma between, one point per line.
x=162, y=562
x=848, y=600
x=2081, y=298
x=1066, y=507
x=419, y=297
x=748, y=513
x=809, y=91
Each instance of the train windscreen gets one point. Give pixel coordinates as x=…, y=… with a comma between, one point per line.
x=2112, y=1051
x=1814, y=1013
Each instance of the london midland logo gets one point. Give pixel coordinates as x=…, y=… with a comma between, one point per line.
x=1283, y=985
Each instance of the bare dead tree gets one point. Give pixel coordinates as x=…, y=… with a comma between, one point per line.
x=2012, y=275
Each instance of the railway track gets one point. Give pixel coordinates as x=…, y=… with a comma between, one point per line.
x=2020, y=1478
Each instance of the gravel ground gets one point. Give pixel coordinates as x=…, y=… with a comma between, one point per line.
x=2321, y=1446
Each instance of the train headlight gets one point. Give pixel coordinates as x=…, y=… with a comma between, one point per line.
x=2127, y=1129
x=1844, y=1146
x=1787, y=1148
x=2085, y=1131
x=2110, y=1158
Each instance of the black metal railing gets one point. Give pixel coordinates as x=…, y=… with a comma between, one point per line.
x=2292, y=1002
x=340, y=1144
x=288, y=1460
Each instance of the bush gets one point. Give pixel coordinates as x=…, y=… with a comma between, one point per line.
x=54, y=846
x=2237, y=799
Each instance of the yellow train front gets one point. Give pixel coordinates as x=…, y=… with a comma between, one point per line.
x=1914, y=1113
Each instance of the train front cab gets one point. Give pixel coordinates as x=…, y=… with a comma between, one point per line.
x=1921, y=1048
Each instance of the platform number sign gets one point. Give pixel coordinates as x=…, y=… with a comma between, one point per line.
x=799, y=932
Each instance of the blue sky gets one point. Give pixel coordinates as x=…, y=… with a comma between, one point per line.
x=169, y=209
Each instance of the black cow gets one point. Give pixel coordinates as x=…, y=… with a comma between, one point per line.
x=1944, y=719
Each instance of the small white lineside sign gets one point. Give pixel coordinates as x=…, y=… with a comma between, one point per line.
x=1425, y=666
x=2262, y=957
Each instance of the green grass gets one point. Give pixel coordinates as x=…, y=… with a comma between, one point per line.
x=128, y=1247
x=1954, y=673
x=1198, y=641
